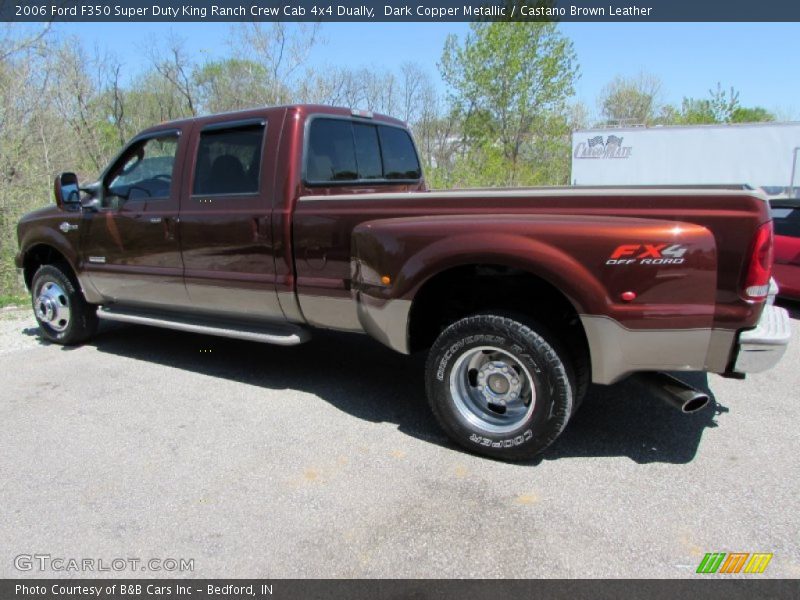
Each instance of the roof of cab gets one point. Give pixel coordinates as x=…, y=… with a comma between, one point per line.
x=266, y=111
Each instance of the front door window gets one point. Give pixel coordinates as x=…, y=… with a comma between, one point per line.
x=144, y=173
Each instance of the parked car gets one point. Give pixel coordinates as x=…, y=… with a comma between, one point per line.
x=786, y=221
x=266, y=224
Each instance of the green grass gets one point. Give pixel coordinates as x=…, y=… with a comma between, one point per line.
x=13, y=300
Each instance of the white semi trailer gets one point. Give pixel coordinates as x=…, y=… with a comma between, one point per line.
x=763, y=155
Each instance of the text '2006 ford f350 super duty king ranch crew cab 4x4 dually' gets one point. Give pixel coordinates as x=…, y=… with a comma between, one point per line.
x=268, y=223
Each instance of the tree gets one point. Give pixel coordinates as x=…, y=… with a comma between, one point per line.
x=507, y=80
x=31, y=141
x=281, y=49
x=175, y=66
x=631, y=100
x=722, y=106
x=76, y=82
x=152, y=99
x=231, y=84
x=756, y=114
x=723, y=103
x=695, y=112
x=378, y=91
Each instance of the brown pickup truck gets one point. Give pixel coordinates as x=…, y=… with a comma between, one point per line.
x=265, y=224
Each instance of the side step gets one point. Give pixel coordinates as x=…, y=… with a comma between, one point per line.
x=280, y=334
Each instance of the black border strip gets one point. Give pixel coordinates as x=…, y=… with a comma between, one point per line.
x=431, y=11
x=733, y=588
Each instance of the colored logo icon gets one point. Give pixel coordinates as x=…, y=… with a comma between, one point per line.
x=734, y=562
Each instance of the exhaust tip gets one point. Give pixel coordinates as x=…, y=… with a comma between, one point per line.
x=695, y=404
x=675, y=392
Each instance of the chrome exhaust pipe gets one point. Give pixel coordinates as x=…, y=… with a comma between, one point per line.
x=675, y=392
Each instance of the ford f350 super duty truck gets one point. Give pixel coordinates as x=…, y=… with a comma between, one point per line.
x=266, y=224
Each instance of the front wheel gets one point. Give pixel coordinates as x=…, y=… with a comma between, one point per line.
x=63, y=314
x=498, y=387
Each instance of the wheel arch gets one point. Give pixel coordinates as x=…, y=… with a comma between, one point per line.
x=494, y=284
x=43, y=253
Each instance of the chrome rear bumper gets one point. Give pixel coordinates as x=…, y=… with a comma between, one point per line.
x=761, y=348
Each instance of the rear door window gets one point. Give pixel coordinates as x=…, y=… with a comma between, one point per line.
x=344, y=151
x=229, y=161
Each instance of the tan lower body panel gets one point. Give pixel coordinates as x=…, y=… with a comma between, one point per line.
x=330, y=312
x=617, y=351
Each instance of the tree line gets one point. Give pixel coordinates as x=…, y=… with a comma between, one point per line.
x=504, y=119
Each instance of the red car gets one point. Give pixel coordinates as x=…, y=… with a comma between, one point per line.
x=786, y=270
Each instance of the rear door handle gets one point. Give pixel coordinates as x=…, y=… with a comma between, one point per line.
x=260, y=227
x=169, y=227
x=155, y=219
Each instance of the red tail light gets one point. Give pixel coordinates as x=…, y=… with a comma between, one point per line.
x=756, y=281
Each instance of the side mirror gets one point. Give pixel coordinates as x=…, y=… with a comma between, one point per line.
x=65, y=189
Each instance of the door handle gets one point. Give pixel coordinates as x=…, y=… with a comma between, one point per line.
x=155, y=219
x=260, y=228
x=169, y=227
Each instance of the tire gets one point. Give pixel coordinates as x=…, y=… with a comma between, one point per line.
x=510, y=414
x=582, y=369
x=62, y=312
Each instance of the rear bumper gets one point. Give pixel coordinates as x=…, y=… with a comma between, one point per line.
x=761, y=348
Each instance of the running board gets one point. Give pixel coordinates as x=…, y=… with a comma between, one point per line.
x=281, y=335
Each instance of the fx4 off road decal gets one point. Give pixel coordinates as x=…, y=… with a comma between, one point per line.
x=647, y=254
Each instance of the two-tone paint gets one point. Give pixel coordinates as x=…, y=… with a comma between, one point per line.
x=315, y=255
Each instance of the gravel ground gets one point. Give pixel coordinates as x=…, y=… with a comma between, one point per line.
x=323, y=461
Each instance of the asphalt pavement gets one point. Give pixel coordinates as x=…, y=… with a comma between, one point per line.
x=246, y=460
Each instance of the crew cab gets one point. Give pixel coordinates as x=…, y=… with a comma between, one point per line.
x=268, y=224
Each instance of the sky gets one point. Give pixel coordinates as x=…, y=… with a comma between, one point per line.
x=758, y=59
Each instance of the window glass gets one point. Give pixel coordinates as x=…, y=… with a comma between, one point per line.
x=343, y=150
x=368, y=152
x=786, y=221
x=145, y=172
x=399, y=158
x=331, y=154
x=229, y=161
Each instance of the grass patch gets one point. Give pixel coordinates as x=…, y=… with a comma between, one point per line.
x=13, y=300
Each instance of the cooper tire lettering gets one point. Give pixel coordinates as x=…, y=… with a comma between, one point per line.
x=517, y=440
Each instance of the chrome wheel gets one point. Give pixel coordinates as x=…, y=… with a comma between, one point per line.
x=52, y=306
x=492, y=389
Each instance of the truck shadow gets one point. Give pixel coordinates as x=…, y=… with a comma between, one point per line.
x=625, y=419
x=362, y=378
x=793, y=306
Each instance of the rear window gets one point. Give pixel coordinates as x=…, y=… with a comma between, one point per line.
x=331, y=151
x=399, y=156
x=786, y=221
x=368, y=151
x=340, y=150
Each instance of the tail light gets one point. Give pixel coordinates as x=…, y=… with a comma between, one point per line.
x=756, y=280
